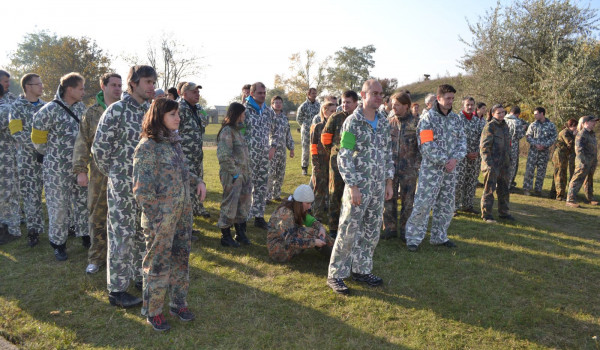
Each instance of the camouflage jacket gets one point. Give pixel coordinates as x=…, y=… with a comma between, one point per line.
x=441, y=137
x=365, y=154
x=495, y=145
x=332, y=132
x=306, y=111
x=316, y=119
x=87, y=131
x=191, y=130
x=383, y=112
x=54, y=131
x=258, y=127
x=517, y=127
x=319, y=154
x=232, y=152
x=540, y=133
x=8, y=99
x=565, y=144
x=117, y=135
x=586, y=148
x=280, y=131
x=405, y=147
x=472, y=130
x=161, y=178
x=7, y=143
x=282, y=226
x=21, y=119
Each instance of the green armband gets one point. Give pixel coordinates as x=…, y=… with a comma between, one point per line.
x=309, y=220
x=348, y=140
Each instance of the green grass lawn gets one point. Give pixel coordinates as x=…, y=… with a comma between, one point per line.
x=532, y=284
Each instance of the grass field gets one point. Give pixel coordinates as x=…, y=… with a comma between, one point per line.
x=529, y=285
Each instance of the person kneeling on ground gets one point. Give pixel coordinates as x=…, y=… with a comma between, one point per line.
x=292, y=229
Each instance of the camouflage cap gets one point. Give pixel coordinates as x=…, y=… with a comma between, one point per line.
x=189, y=86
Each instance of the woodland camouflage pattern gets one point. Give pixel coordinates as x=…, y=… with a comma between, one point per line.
x=495, y=165
x=563, y=158
x=435, y=191
x=9, y=181
x=304, y=116
x=53, y=134
x=365, y=161
x=586, y=161
x=30, y=170
x=467, y=170
x=117, y=136
x=543, y=134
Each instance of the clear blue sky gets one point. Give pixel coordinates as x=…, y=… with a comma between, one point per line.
x=247, y=41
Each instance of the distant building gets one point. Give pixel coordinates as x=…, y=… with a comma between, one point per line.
x=216, y=113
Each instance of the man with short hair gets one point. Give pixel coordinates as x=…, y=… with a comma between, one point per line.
x=28, y=160
x=442, y=144
x=330, y=138
x=245, y=92
x=54, y=130
x=517, y=128
x=365, y=163
x=8, y=97
x=541, y=134
x=279, y=126
x=111, y=89
x=117, y=136
x=467, y=169
x=261, y=147
x=192, y=126
x=304, y=117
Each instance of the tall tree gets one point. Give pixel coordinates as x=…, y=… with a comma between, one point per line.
x=52, y=56
x=389, y=86
x=305, y=72
x=534, y=52
x=351, y=67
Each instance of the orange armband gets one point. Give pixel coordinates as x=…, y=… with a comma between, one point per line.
x=426, y=136
x=326, y=138
x=313, y=149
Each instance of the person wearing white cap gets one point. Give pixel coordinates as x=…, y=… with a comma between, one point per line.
x=292, y=229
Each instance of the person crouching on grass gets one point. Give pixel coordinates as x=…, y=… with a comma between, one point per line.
x=161, y=186
x=292, y=229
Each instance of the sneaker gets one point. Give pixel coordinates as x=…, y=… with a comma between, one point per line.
x=412, y=247
x=572, y=205
x=123, y=299
x=91, y=269
x=489, y=219
x=447, y=244
x=507, y=217
x=86, y=242
x=367, y=278
x=261, y=223
x=183, y=313
x=338, y=285
x=159, y=323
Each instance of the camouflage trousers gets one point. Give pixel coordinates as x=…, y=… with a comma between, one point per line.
x=166, y=263
x=237, y=197
x=336, y=191
x=514, y=162
x=320, y=182
x=259, y=170
x=9, y=190
x=535, y=160
x=285, y=250
x=407, y=183
x=30, y=180
x=561, y=164
x=358, y=233
x=305, y=139
x=584, y=175
x=276, y=173
x=495, y=180
x=467, y=173
x=98, y=211
x=125, y=248
x=435, y=193
x=64, y=197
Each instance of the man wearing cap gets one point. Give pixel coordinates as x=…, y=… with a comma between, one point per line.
x=541, y=134
x=194, y=120
x=366, y=165
x=586, y=161
x=304, y=117
x=261, y=147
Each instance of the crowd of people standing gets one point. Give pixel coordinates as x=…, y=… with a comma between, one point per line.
x=126, y=174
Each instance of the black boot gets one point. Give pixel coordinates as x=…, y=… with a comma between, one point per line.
x=240, y=233
x=85, y=242
x=123, y=299
x=4, y=235
x=60, y=251
x=261, y=223
x=226, y=240
x=34, y=237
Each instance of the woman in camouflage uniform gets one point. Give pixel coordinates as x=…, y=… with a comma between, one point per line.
x=161, y=186
x=320, y=162
x=563, y=158
x=494, y=148
x=232, y=153
x=292, y=229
